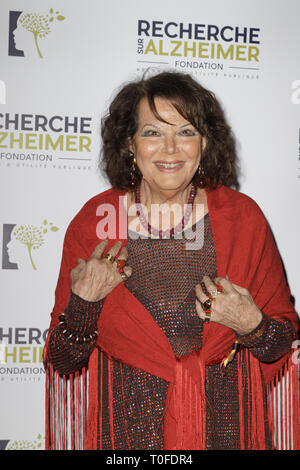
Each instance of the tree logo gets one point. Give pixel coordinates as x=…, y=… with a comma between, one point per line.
x=30, y=237
x=21, y=43
x=36, y=444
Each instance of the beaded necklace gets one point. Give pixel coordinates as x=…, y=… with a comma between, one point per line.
x=174, y=230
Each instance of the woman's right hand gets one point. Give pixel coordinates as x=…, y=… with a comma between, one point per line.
x=92, y=280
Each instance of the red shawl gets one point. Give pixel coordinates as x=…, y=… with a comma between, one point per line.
x=246, y=252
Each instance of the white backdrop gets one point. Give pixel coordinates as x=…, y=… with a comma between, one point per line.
x=57, y=75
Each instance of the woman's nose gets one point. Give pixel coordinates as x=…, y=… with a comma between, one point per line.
x=170, y=145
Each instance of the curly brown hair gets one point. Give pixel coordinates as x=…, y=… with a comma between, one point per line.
x=195, y=103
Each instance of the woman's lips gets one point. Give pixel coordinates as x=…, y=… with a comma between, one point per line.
x=168, y=167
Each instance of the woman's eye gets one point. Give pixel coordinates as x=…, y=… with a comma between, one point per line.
x=150, y=133
x=188, y=132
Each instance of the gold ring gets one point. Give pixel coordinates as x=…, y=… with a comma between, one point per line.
x=207, y=317
x=123, y=276
x=109, y=257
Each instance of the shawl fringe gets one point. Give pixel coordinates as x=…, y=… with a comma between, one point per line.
x=73, y=407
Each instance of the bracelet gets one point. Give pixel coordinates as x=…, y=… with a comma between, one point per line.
x=81, y=339
x=256, y=333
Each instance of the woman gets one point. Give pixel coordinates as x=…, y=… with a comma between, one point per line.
x=184, y=319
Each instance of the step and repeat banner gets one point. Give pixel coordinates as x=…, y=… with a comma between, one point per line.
x=61, y=61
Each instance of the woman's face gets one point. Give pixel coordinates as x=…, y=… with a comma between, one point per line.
x=167, y=155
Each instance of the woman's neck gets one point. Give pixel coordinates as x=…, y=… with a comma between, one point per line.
x=151, y=196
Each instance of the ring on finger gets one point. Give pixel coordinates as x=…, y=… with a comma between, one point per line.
x=109, y=258
x=123, y=276
x=207, y=317
x=207, y=308
x=120, y=263
x=215, y=292
x=207, y=304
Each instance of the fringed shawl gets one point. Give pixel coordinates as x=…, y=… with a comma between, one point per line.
x=246, y=252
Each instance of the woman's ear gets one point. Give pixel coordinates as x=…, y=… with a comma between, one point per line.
x=131, y=144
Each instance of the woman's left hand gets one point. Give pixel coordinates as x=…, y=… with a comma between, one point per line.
x=234, y=307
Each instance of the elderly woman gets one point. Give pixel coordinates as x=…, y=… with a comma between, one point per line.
x=171, y=331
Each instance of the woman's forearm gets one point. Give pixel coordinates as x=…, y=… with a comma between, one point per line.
x=270, y=340
x=73, y=340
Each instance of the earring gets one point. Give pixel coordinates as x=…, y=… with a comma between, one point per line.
x=201, y=177
x=132, y=169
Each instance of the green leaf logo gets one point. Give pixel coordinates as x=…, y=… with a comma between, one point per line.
x=39, y=25
x=26, y=445
x=33, y=237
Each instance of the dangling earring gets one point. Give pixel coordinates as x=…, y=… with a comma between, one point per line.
x=132, y=169
x=201, y=177
x=202, y=180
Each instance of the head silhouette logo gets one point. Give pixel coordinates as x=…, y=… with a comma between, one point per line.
x=20, y=242
x=27, y=29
